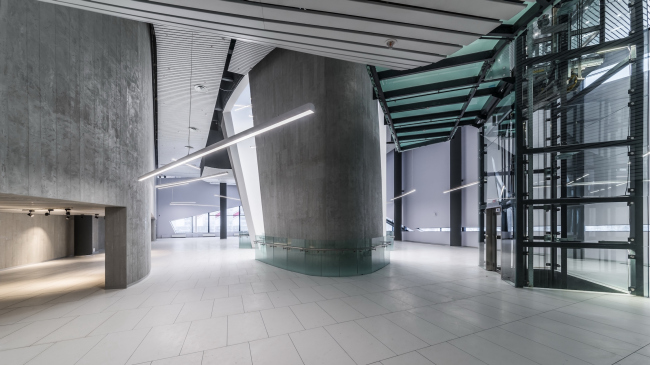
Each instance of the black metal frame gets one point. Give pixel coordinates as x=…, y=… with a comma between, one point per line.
x=154, y=85
x=523, y=203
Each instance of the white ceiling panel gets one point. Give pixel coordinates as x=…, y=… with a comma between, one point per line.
x=495, y=9
x=246, y=55
x=347, y=29
x=186, y=59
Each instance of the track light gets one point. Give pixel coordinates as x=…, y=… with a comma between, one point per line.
x=47, y=214
x=185, y=182
x=403, y=195
x=30, y=214
x=227, y=197
x=96, y=216
x=67, y=214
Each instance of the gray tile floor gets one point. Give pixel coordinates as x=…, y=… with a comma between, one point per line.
x=207, y=302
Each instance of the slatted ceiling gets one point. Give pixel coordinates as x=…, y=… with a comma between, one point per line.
x=339, y=29
x=246, y=55
x=495, y=9
x=392, y=13
x=186, y=59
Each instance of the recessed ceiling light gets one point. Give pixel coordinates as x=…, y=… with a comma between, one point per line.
x=201, y=88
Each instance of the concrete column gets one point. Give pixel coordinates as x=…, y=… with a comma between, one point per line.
x=397, y=191
x=456, y=197
x=320, y=177
x=223, y=208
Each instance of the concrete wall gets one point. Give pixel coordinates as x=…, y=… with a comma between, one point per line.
x=76, y=118
x=25, y=240
x=320, y=177
x=200, y=192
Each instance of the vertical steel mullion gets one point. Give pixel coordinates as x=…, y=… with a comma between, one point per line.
x=520, y=46
x=481, y=193
x=637, y=129
x=563, y=70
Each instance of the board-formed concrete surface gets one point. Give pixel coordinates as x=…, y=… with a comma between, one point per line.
x=208, y=302
x=76, y=117
x=320, y=177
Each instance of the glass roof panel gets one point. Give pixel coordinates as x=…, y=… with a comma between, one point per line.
x=433, y=110
x=432, y=77
x=429, y=123
x=477, y=103
x=429, y=97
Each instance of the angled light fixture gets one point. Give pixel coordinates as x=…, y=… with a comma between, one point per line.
x=227, y=197
x=405, y=194
x=185, y=182
x=276, y=122
x=460, y=187
x=192, y=166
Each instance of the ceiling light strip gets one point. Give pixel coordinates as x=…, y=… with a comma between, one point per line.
x=227, y=197
x=185, y=182
x=405, y=194
x=460, y=187
x=276, y=122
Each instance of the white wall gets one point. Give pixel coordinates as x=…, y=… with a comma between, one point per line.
x=244, y=158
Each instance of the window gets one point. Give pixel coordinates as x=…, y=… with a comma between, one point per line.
x=183, y=225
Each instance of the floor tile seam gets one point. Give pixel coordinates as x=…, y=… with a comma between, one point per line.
x=463, y=351
x=18, y=321
x=87, y=351
x=480, y=314
x=496, y=344
x=584, y=329
x=581, y=315
x=579, y=328
x=140, y=320
x=416, y=336
x=337, y=322
x=490, y=305
x=17, y=329
x=620, y=310
x=84, y=336
x=139, y=344
x=28, y=346
x=619, y=361
x=294, y=347
x=343, y=348
x=530, y=339
x=487, y=315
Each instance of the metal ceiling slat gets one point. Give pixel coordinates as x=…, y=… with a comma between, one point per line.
x=495, y=9
x=246, y=55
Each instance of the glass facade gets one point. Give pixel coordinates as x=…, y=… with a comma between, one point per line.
x=211, y=222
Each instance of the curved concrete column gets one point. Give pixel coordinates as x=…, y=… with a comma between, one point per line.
x=320, y=177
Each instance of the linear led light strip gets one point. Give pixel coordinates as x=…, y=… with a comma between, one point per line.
x=192, y=166
x=193, y=204
x=276, y=122
x=185, y=182
x=227, y=197
x=405, y=194
x=460, y=187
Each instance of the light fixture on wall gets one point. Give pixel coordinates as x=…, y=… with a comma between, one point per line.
x=460, y=187
x=227, y=197
x=192, y=166
x=96, y=216
x=67, y=214
x=30, y=214
x=47, y=214
x=279, y=121
x=403, y=195
x=185, y=182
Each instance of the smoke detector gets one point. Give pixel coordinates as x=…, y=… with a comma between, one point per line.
x=390, y=43
x=201, y=88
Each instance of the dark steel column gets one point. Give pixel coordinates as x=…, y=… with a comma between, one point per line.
x=518, y=215
x=455, y=197
x=481, y=196
x=397, y=203
x=223, y=209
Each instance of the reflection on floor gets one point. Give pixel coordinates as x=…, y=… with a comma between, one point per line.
x=208, y=302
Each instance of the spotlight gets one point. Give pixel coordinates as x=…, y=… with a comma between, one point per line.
x=30, y=214
x=47, y=214
x=67, y=214
x=82, y=216
x=96, y=216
